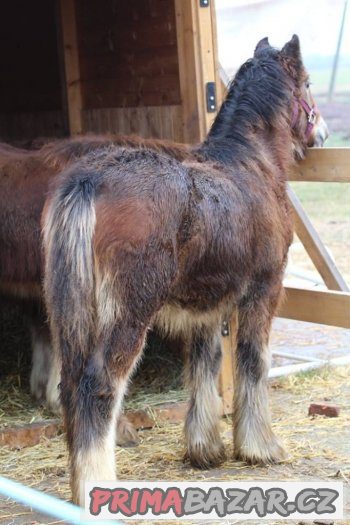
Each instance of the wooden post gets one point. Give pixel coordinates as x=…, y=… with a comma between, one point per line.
x=208, y=56
x=220, y=89
x=315, y=248
x=198, y=65
x=189, y=70
x=71, y=65
x=226, y=379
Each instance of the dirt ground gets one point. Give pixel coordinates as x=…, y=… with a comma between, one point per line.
x=319, y=448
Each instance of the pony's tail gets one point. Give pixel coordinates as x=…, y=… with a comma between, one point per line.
x=68, y=226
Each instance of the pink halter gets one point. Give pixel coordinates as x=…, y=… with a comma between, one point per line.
x=311, y=113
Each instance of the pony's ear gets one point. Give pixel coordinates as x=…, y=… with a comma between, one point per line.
x=292, y=49
x=263, y=44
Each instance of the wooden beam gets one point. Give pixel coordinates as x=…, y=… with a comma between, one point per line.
x=61, y=64
x=324, y=165
x=226, y=378
x=197, y=54
x=315, y=248
x=208, y=56
x=189, y=70
x=71, y=65
x=220, y=89
x=323, y=307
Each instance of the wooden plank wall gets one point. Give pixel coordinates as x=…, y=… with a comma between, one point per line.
x=28, y=125
x=128, y=67
x=120, y=67
x=30, y=94
x=198, y=64
x=150, y=121
x=128, y=53
x=71, y=72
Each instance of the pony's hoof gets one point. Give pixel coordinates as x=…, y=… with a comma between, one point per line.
x=206, y=458
x=126, y=433
x=53, y=405
x=270, y=453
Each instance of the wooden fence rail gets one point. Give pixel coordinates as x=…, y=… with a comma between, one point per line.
x=324, y=165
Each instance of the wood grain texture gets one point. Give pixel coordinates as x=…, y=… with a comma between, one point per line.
x=191, y=88
x=226, y=378
x=323, y=307
x=152, y=121
x=128, y=53
x=72, y=66
x=324, y=165
x=198, y=64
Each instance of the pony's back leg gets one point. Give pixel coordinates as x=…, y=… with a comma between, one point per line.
x=204, y=446
x=45, y=378
x=254, y=440
x=92, y=394
x=41, y=359
x=93, y=387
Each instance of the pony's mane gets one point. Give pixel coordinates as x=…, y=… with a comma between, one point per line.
x=257, y=97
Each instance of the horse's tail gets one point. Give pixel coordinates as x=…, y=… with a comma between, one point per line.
x=69, y=223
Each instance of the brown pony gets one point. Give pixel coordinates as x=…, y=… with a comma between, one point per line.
x=24, y=180
x=136, y=238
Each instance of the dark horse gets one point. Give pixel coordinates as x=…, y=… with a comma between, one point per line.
x=24, y=181
x=137, y=238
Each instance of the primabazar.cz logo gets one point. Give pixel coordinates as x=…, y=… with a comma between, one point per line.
x=213, y=500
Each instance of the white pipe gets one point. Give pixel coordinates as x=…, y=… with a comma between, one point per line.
x=306, y=276
x=297, y=357
x=46, y=504
x=280, y=371
x=286, y=370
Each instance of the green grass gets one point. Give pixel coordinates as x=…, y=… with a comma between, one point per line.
x=338, y=140
x=327, y=202
x=321, y=78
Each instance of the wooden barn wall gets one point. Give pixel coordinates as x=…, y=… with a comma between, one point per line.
x=30, y=92
x=129, y=67
x=151, y=121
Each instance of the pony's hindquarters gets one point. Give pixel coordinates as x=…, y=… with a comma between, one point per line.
x=106, y=275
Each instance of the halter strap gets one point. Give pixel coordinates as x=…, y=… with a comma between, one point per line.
x=311, y=113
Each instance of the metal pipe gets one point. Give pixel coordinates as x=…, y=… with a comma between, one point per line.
x=306, y=276
x=280, y=371
x=298, y=357
x=337, y=53
x=46, y=504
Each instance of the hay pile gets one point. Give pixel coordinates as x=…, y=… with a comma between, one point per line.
x=157, y=380
x=319, y=448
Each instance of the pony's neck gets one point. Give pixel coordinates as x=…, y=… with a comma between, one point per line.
x=253, y=121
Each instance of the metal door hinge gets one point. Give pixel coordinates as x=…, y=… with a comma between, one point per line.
x=225, y=331
x=211, y=97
